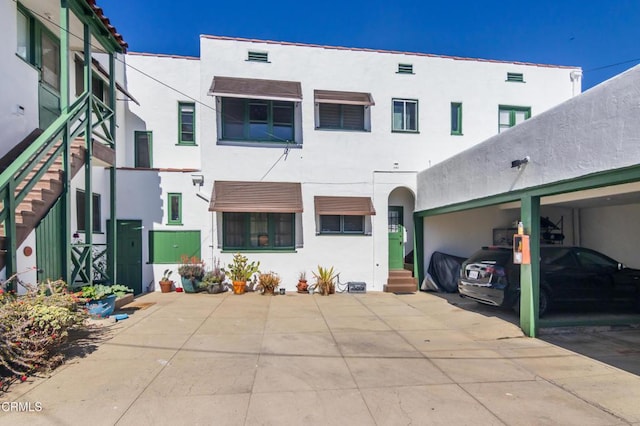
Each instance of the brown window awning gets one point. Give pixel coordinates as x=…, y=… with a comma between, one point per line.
x=344, y=98
x=256, y=197
x=346, y=206
x=254, y=88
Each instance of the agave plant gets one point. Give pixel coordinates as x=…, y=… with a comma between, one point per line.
x=325, y=280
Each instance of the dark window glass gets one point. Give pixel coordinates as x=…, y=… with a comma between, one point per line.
x=258, y=120
x=80, y=210
x=258, y=230
x=142, y=149
x=353, y=224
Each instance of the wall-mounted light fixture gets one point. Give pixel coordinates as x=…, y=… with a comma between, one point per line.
x=520, y=163
x=197, y=180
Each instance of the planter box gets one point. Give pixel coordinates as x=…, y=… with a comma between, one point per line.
x=102, y=308
x=124, y=300
x=191, y=286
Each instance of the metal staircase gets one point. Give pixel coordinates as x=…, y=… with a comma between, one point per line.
x=41, y=173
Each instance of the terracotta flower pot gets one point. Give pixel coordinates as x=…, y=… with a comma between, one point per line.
x=302, y=286
x=165, y=286
x=239, y=287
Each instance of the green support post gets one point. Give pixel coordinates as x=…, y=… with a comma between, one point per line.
x=418, y=252
x=88, y=190
x=64, y=55
x=530, y=274
x=66, y=208
x=66, y=154
x=112, y=173
x=10, y=229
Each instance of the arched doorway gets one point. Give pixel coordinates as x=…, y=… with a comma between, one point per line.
x=400, y=207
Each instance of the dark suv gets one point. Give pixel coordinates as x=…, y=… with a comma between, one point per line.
x=567, y=275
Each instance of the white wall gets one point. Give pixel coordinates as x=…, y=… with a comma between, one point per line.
x=593, y=132
x=19, y=85
x=337, y=163
x=462, y=233
x=613, y=231
x=158, y=109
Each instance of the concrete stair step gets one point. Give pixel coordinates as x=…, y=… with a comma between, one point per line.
x=400, y=288
x=402, y=280
x=400, y=273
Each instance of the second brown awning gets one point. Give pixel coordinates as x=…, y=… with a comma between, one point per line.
x=256, y=197
x=346, y=206
x=344, y=98
x=256, y=88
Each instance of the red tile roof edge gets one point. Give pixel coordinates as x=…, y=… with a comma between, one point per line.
x=396, y=52
x=164, y=55
x=106, y=22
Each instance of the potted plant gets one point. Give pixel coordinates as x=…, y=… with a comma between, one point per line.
x=240, y=271
x=191, y=273
x=165, y=282
x=302, y=285
x=325, y=281
x=213, y=279
x=268, y=283
x=101, y=299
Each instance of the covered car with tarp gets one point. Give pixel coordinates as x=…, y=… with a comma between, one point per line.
x=443, y=273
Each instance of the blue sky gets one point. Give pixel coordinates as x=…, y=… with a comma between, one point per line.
x=591, y=34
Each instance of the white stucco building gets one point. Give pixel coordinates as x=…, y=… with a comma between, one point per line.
x=303, y=155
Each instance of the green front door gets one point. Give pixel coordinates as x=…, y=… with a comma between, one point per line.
x=49, y=245
x=396, y=247
x=395, y=217
x=129, y=254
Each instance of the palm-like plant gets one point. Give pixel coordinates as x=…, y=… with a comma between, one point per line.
x=325, y=280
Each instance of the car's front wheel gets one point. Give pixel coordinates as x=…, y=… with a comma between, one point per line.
x=543, y=306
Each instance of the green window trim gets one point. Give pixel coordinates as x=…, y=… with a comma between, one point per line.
x=174, y=208
x=255, y=56
x=143, y=149
x=96, y=214
x=169, y=246
x=245, y=231
x=456, y=118
x=34, y=35
x=515, y=77
x=405, y=69
x=342, y=225
x=404, y=115
x=186, y=113
x=510, y=115
x=258, y=120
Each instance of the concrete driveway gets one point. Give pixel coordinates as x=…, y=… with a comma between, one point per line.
x=371, y=359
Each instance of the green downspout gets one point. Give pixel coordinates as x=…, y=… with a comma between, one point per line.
x=66, y=154
x=530, y=274
x=112, y=172
x=88, y=193
x=418, y=253
x=12, y=237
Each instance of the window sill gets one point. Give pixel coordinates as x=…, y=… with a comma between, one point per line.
x=269, y=250
x=186, y=144
x=342, y=234
x=332, y=129
x=259, y=144
x=515, y=81
x=175, y=224
x=456, y=134
x=405, y=131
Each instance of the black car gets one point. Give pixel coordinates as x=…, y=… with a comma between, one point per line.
x=568, y=275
